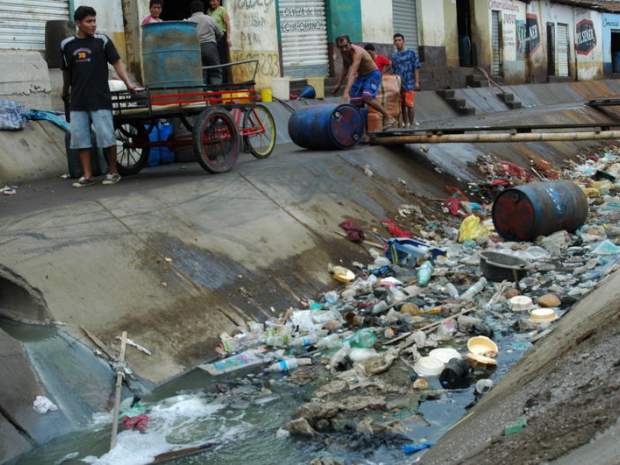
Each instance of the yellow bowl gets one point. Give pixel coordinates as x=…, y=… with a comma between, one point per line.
x=343, y=274
x=482, y=345
x=481, y=359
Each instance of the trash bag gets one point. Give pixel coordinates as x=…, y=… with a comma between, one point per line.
x=472, y=230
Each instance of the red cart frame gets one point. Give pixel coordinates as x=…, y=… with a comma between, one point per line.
x=218, y=119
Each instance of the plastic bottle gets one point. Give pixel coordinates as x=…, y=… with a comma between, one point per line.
x=288, y=364
x=305, y=341
x=340, y=356
x=331, y=297
x=424, y=273
x=452, y=291
x=413, y=448
x=278, y=340
x=329, y=342
x=363, y=339
x=470, y=293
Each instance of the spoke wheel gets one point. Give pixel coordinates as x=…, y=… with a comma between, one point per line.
x=216, y=140
x=132, y=151
x=260, y=120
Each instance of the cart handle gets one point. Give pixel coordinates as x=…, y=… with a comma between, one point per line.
x=234, y=63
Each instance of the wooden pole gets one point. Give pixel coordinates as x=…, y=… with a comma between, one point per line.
x=495, y=137
x=120, y=374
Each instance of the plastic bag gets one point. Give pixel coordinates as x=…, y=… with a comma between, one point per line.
x=472, y=230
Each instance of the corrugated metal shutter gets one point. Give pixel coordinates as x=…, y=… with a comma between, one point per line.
x=562, y=50
x=405, y=19
x=303, y=25
x=22, y=22
x=496, y=44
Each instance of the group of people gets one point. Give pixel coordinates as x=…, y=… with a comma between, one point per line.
x=214, y=32
x=85, y=59
x=363, y=72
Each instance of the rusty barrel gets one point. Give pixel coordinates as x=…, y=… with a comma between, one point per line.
x=171, y=55
x=326, y=127
x=538, y=209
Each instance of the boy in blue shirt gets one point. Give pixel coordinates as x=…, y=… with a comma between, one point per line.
x=406, y=64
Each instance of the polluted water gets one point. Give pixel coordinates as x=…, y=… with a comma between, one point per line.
x=355, y=376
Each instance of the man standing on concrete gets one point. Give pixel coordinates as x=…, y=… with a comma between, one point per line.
x=362, y=76
x=208, y=35
x=85, y=59
x=405, y=63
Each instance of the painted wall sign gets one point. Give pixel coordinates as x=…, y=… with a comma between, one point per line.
x=533, y=32
x=585, y=37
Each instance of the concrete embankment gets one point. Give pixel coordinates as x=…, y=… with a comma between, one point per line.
x=175, y=256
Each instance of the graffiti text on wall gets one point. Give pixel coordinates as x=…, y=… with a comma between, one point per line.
x=585, y=37
x=302, y=19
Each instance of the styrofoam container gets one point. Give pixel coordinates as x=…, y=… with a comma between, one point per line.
x=445, y=354
x=543, y=315
x=521, y=303
x=428, y=366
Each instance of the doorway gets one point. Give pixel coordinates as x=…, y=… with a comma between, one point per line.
x=550, y=49
x=615, y=51
x=463, y=20
x=177, y=10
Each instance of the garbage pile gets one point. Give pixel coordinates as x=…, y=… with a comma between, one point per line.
x=432, y=315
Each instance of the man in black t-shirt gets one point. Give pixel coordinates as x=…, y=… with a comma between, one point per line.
x=85, y=59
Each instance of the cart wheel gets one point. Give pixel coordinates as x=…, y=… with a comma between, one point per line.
x=259, y=120
x=216, y=140
x=132, y=151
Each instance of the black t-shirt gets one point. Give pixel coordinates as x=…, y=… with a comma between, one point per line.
x=87, y=62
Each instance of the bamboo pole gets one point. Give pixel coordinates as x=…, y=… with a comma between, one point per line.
x=496, y=137
x=120, y=374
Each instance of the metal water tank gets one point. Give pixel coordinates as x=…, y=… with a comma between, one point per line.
x=171, y=54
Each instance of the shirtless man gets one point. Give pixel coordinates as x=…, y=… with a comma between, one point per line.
x=362, y=76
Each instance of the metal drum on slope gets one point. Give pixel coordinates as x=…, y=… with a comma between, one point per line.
x=326, y=127
x=525, y=212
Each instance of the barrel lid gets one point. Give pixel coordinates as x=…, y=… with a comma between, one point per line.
x=514, y=215
x=346, y=126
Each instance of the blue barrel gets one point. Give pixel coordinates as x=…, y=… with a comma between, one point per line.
x=326, y=127
x=616, y=62
x=171, y=54
x=525, y=212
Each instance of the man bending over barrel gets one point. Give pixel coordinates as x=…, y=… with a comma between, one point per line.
x=363, y=78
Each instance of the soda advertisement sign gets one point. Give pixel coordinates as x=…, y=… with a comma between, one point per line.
x=585, y=37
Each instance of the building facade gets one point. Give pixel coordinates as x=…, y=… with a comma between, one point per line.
x=515, y=41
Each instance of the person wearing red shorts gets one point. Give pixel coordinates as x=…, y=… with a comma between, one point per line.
x=406, y=64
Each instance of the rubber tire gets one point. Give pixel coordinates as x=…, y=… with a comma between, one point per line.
x=199, y=149
x=144, y=156
x=247, y=140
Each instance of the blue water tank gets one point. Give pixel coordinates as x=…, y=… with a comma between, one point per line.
x=326, y=127
x=171, y=54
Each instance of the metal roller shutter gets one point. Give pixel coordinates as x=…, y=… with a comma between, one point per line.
x=562, y=50
x=406, y=21
x=22, y=22
x=303, y=26
x=496, y=44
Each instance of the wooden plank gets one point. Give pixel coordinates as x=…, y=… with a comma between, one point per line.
x=120, y=374
x=182, y=453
